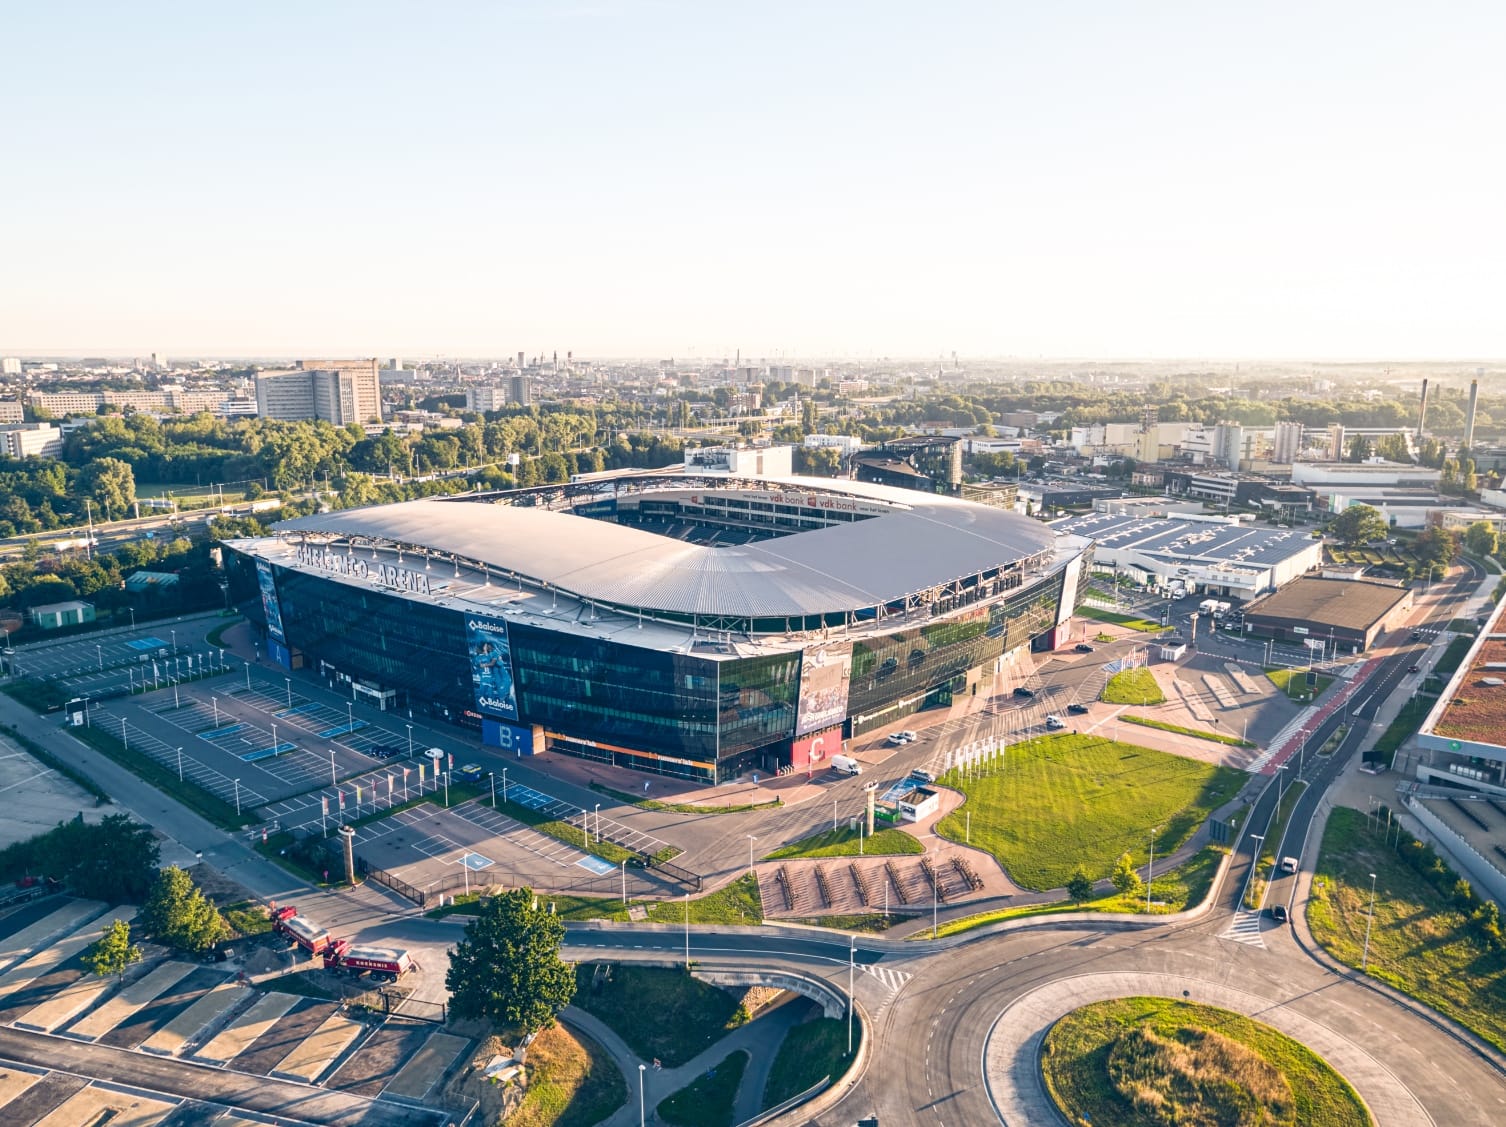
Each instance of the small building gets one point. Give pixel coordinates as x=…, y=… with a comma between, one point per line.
x=54, y=616
x=1348, y=612
x=919, y=804
x=158, y=581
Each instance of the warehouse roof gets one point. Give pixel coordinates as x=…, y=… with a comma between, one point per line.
x=1354, y=604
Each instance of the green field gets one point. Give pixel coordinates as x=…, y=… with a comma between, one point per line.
x=1058, y=801
x=811, y=1051
x=708, y=1100
x=843, y=842
x=1422, y=943
x=1144, y=625
x=1132, y=686
x=1195, y=733
x=572, y=1082
x=1293, y=682
x=1151, y=1062
x=736, y=903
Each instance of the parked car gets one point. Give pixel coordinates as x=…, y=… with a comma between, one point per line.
x=896, y=739
x=1278, y=913
x=908, y=736
x=920, y=774
x=1083, y=648
x=1022, y=691
x=1055, y=723
x=470, y=772
x=1077, y=709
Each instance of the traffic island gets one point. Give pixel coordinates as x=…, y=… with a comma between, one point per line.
x=1152, y=1062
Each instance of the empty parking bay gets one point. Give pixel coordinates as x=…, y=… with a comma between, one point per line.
x=228, y=1043
x=430, y=1063
x=95, y=1105
x=94, y=1025
x=316, y=1052
x=170, y=1039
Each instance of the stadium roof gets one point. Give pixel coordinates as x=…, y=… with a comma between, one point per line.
x=922, y=542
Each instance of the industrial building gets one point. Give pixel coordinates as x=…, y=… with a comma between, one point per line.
x=1219, y=558
x=691, y=624
x=1345, y=614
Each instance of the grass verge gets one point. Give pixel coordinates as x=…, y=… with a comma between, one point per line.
x=1144, y=625
x=149, y=771
x=565, y=832
x=1115, y=1061
x=1452, y=656
x=681, y=807
x=1293, y=682
x=660, y=1012
x=572, y=1082
x=47, y=759
x=39, y=696
x=811, y=1051
x=300, y=859
x=1172, y=891
x=708, y=1100
x=1407, y=721
x=843, y=842
x=736, y=903
x=1422, y=943
x=1132, y=686
x=1166, y=726
x=216, y=637
x=247, y=918
x=1058, y=801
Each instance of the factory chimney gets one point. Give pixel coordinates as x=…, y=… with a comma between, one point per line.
x=1469, y=418
x=1422, y=415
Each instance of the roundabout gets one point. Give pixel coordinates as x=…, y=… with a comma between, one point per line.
x=1016, y=1044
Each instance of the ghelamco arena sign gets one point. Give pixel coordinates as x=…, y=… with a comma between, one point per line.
x=389, y=575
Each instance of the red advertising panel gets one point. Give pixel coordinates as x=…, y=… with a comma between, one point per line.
x=824, y=673
x=816, y=748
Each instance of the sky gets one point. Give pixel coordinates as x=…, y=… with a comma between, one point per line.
x=690, y=179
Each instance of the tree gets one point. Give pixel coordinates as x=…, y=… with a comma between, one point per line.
x=1436, y=547
x=1359, y=448
x=1393, y=448
x=1080, y=886
x=507, y=968
x=1125, y=879
x=177, y=913
x=1481, y=539
x=112, y=484
x=1358, y=524
x=113, y=951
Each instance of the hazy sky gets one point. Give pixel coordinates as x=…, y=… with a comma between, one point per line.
x=1137, y=179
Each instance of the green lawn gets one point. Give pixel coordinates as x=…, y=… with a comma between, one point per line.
x=1407, y=721
x=572, y=1082
x=1057, y=801
x=708, y=1100
x=1293, y=682
x=568, y=832
x=1195, y=733
x=737, y=903
x=843, y=842
x=1132, y=686
x=1211, y=1065
x=1421, y=944
x=659, y=1012
x=810, y=1052
x=1452, y=656
x=1143, y=625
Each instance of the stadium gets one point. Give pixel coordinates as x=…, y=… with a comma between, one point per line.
x=697, y=625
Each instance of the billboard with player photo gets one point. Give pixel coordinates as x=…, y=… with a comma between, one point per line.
x=269, y=605
x=824, y=674
x=491, y=667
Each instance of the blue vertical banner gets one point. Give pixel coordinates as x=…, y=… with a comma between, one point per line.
x=269, y=604
x=491, y=667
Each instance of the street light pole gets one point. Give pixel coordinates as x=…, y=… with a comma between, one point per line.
x=1150, y=868
x=642, y=1122
x=100, y=652
x=597, y=817
x=180, y=765
x=504, y=785
x=215, y=701
x=237, y=798
x=852, y=955
x=1365, y=960
x=289, y=682
x=687, y=933
x=751, y=840
x=332, y=780
x=492, y=777
x=624, y=882
x=410, y=748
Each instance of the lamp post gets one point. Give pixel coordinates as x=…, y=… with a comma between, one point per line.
x=597, y=816
x=492, y=778
x=335, y=782
x=504, y=786
x=1254, y=858
x=248, y=676
x=852, y=957
x=1365, y=959
x=833, y=813
x=1150, y=867
x=641, y=1120
x=237, y=798
x=180, y=764
x=624, y=882
x=350, y=718
x=174, y=633
x=935, y=906
x=289, y=682
x=123, y=734
x=274, y=739
x=215, y=702
x=687, y=933
x=132, y=612
x=100, y=653
x=751, y=840
x=410, y=748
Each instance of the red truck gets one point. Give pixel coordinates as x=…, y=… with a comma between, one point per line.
x=301, y=930
x=384, y=964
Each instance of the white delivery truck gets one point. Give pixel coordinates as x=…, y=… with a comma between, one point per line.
x=846, y=765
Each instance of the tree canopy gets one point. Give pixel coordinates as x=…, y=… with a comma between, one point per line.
x=507, y=968
x=114, y=860
x=112, y=952
x=177, y=913
x=1358, y=524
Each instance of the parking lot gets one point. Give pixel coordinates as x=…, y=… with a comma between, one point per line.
x=110, y=662
x=172, y=1010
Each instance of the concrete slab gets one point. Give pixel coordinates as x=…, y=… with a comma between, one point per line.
x=37, y=798
x=58, y=953
x=309, y=1060
x=428, y=1066
x=102, y=1105
x=66, y=1004
x=14, y=1081
x=170, y=1039
x=228, y=1043
x=67, y=917
x=129, y=1000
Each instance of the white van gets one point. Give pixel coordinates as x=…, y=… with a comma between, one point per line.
x=846, y=765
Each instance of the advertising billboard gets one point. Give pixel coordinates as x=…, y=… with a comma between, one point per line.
x=815, y=749
x=491, y=667
x=824, y=673
x=511, y=738
x=269, y=605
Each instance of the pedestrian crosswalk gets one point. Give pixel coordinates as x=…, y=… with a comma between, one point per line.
x=1244, y=928
x=893, y=979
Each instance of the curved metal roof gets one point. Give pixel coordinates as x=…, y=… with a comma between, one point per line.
x=924, y=541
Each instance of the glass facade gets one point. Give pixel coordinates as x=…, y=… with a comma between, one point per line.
x=693, y=716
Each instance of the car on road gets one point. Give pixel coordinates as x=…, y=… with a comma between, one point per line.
x=1414, y=636
x=921, y=775
x=1414, y=669
x=1055, y=723
x=1077, y=709
x=1288, y=864
x=1278, y=913
x=1083, y=648
x=896, y=739
x=1022, y=691
x=470, y=772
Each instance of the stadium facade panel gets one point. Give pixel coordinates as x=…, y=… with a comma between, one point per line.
x=693, y=625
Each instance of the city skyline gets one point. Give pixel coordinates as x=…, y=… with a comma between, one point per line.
x=667, y=180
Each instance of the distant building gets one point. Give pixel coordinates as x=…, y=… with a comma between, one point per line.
x=338, y=391
x=845, y=443
x=1351, y=613
x=54, y=616
x=12, y=411
x=521, y=388
x=10, y=366
x=485, y=397
x=1287, y=443
x=745, y=461
x=26, y=440
x=932, y=463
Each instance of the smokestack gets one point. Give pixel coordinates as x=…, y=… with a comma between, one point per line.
x=1469, y=418
x=1422, y=415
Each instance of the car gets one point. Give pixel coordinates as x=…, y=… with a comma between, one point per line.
x=1083, y=648
x=909, y=736
x=471, y=772
x=896, y=739
x=1414, y=669
x=1278, y=913
x=1415, y=636
x=1077, y=709
x=1288, y=864
x=920, y=774
x=1055, y=723
x=1022, y=691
